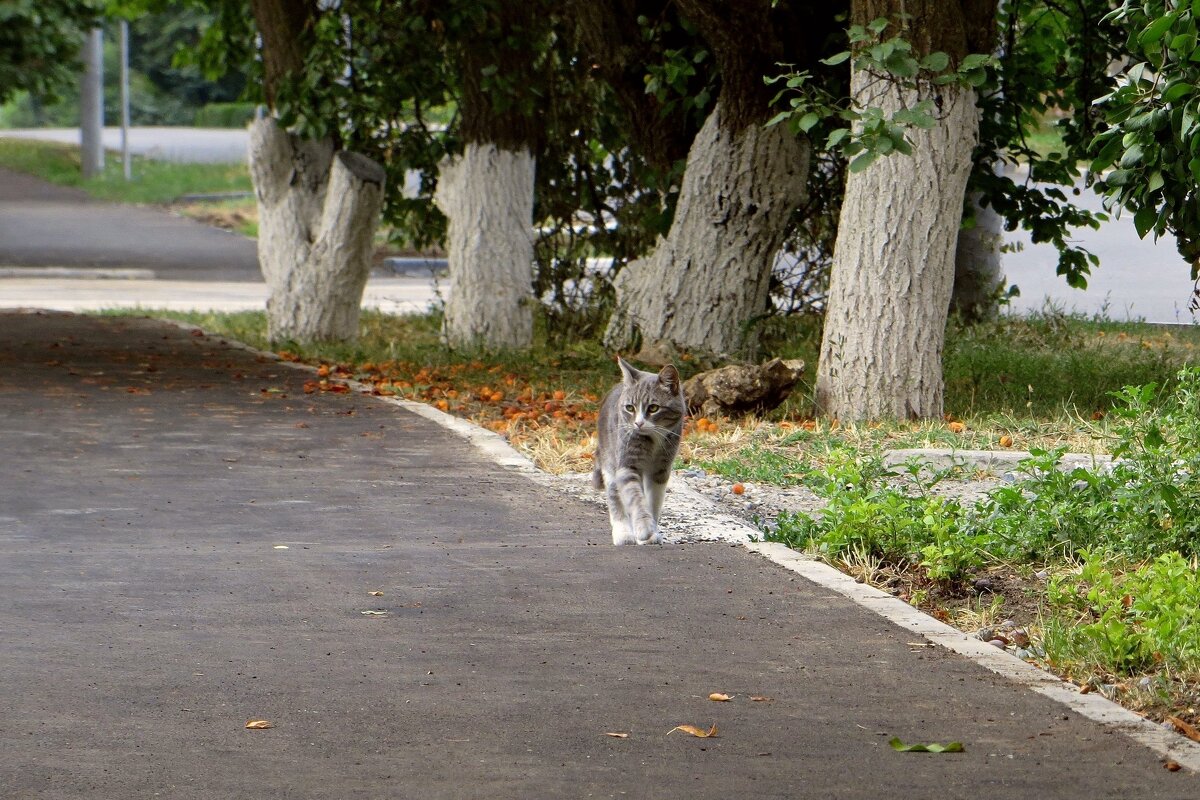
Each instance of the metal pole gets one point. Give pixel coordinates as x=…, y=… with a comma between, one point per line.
x=124, y=29
x=91, y=105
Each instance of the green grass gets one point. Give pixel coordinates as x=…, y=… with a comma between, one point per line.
x=153, y=181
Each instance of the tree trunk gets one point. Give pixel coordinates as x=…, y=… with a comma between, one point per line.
x=487, y=195
x=318, y=210
x=893, y=269
x=977, y=276
x=706, y=282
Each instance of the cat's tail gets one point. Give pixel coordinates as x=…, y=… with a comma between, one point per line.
x=597, y=478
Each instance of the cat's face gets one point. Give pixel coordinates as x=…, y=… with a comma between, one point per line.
x=651, y=404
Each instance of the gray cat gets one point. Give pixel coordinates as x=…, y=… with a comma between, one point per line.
x=640, y=424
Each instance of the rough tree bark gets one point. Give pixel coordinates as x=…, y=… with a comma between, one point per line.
x=318, y=206
x=705, y=283
x=487, y=195
x=486, y=192
x=318, y=210
x=707, y=280
x=893, y=269
x=977, y=275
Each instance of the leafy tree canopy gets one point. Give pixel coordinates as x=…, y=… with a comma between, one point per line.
x=40, y=41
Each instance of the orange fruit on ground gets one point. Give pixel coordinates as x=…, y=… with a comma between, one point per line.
x=1006, y=441
x=738, y=488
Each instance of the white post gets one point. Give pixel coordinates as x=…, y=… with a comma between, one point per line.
x=91, y=104
x=124, y=29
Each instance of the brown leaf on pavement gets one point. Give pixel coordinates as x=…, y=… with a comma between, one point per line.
x=259, y=725
x=375, y=594
x=1187, y=729
x=699, y=733
x=616, y=735
x=758, y=698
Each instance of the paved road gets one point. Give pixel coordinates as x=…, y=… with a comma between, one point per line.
x=1136, y=279
x=61, y=250
x=42, y=225
x=148, y=610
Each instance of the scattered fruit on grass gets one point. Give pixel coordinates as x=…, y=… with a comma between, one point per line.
x=738, y=488
x=323, y=371
x=1006, y=441
x=559, y=394
x=956, y=427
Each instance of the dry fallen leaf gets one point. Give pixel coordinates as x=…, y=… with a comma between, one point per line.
x=259, y=725
x=1173, y=766
x=1185, y=728
x=694, y=731
x=617, y=735
x=758, y=698
x=956, y=427
x=720, y=697
x=375, y=594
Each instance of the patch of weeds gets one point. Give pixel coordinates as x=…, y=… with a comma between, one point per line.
x=760, y=464
x=866, y=514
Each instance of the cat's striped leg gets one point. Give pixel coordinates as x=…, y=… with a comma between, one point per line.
x=655, y=494
x=618, y=517
x=637, y=509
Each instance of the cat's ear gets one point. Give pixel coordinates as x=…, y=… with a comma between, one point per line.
x=631, y=374
x=668, y=376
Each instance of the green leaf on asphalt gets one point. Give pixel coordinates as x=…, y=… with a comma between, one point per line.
x=901, y=747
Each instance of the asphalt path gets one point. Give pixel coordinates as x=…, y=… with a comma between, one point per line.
x=189, y=541
x=43, y=225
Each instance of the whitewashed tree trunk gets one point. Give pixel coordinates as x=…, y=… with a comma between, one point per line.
x=893, y=268
x=706, y=282
x=977, y=276
x=487, y=195
x=318, y=210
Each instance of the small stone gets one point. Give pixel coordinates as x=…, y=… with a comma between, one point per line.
x=1009, y=477
x=1144, y=682
x=982, y=585
x=1041, y=575
x=986, y=634
x=997, y=643
x=1020, y=638
x=1023, y=654
x=1007, y=625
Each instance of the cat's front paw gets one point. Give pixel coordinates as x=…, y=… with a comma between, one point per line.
x=622, y=535
x=649, y=534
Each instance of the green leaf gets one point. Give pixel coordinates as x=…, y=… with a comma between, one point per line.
x=1156, y=181
x=778, y=118
x=836, y=58
x=1143, y=220
x=809, y=120
x=1133, y=156
x=901, y=747
x=1155, y=31
x=935, y=62
x=863, y=161
x=1177, y=91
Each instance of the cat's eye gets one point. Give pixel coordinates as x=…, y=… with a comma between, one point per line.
x=652, y=408
x=629, y=407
